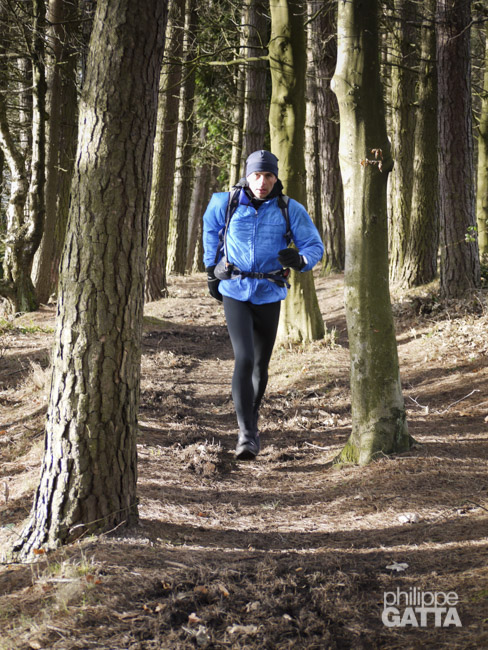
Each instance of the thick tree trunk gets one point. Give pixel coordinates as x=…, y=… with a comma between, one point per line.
x=482, y=186
x=88, y=479
x=62, y=104
x=301, y=319
x=378, y=413
x=460, y=267
x=403, y=81
x=164, y=157
x=178, y=232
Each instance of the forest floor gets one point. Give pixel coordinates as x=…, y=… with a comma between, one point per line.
x=287, y=551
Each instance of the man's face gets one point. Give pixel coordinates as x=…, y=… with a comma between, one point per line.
x=261, y=183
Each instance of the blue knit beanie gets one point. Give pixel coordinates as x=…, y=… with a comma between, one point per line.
x=262, y=161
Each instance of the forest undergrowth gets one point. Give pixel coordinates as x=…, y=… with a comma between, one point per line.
x=287, y=551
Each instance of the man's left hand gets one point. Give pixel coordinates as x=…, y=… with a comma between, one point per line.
x=291, y=258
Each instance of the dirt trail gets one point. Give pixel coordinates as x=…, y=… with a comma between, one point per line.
x=284, y=551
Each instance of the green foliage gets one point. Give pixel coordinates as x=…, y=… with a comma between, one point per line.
x=9, y=327
x=216, y=76
x=471, y=235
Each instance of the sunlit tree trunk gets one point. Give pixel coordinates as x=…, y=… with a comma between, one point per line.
x=378, y=413
x=460, y=267
x=62, y=106
x=164, y=156
x=301, y=319
x=89, y=470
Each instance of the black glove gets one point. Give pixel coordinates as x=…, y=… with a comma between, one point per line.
x=291, y=258
x=213, y=283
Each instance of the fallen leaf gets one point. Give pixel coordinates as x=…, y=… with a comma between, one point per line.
x=397, y=566
x=223, y=591
x=409, y=518
x=253, y=606
x=242, y=629
x=193, y=619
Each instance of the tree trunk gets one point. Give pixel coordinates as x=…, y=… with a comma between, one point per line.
x=378, y=414
x=460, y=267
x=164, y=157
x=254, y=131
x=482, y=186
x=210, y=187
x=199, y=198
x=312, y=158
x=238, y=112
x=330, y=190
x=62, y=104
x=420, y=263
x=403, y=81
x=88, y=478
x=178, y=232
x=301, y=319
x=25, y=218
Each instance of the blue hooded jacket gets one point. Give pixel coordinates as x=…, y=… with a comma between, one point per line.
x=254, y=238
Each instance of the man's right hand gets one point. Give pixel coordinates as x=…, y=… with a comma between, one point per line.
x=213, y=283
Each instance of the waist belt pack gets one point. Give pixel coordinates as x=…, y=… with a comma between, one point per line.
x=225, y=270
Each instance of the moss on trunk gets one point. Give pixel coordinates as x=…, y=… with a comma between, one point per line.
x=378, y=414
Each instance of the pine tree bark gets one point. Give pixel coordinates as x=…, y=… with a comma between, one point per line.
x=312, y=159
x=89, y=471
x=324, y=28
x=378, y=414
x=178, y=232
x=254, y=131
x=26, y=210
x=460, y=267
x=199, y=199
x=165, y=157
x=420, y=263
x=482, y=185
x=62, y=108
x=300, y=319
x=403, y=95
x=238, y=112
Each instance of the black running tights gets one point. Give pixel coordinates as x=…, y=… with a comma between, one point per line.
x=252, y=330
